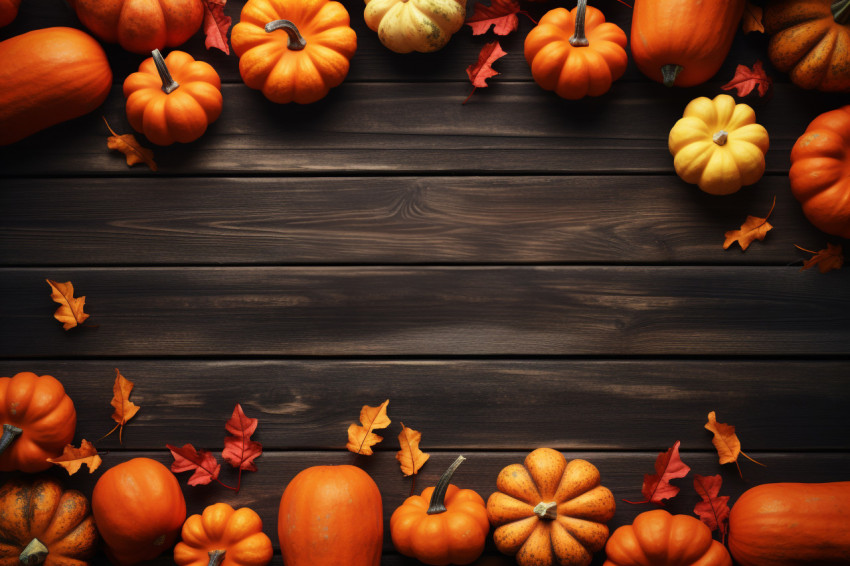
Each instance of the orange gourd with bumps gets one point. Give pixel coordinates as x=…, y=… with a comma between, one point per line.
x=223, y=533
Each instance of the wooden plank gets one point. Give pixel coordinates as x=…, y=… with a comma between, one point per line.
x=467, y=404
x=349, y=311
x=390, y=220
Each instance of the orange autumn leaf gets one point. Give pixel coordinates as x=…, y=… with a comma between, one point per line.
x=410, y=457
x=752, y=20
x=73, y=458
x=754, y=228
x=360, y=437
x=131, y=148
x=726, y=442
x=70, y=312
x=826, y=260
x=124, y=408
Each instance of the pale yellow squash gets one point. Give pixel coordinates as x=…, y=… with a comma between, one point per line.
x=415, y=25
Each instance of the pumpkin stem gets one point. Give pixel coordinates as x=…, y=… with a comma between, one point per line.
x=169, y=85
x=579, y=39
x=841, y=11
x=546, y=510
x=438, y=498
x=34, y=554
x=216, y=557
x=10, y=433
x=720, y=137
x=669, y=73
x=296, y=40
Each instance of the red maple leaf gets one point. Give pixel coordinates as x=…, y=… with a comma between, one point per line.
x=668, y=466
x=483, y=69
x=202, y=462
x=746, y=79
x=216, y=25
x=239, y=450
x=713, y=510
x=501, y=14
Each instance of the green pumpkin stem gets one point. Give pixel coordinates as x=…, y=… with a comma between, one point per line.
x=841, y=11
x=216, y=557
x=169, y=85
x=579, y=39
x=296, y=40
x=34, y=554
x=669, y=73
x=10, y=433
x=438, y=498
x=546, y=510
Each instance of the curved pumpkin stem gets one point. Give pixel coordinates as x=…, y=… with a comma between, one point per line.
x=579, y=39
x=669, y=73
x=296, y=40
x=169, y=85
x=10, y=433
x=34, y=553
x=438, y=498
x=216, y=557
x=841, y=11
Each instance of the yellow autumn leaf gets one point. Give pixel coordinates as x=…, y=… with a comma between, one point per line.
x=70, y=312
x=410, y=457
x=726, y=441
x=360, y=437
x=73, y=458
x=124, y=408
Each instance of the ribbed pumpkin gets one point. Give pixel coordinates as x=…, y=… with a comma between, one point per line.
x=222, y=536
x=38, y=420
x=576, y=53
x=41, y=523
x=682, y=42
x=8, y=11
x=140, y=26
x=138, y=508
x=550, y=511
x=792, y=524
x=48, y=76
x=293, y=50
x=331, y=515
x=810, y=40
x=415, y=25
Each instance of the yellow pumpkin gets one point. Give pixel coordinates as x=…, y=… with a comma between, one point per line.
x=718, y=146
x=415, y=25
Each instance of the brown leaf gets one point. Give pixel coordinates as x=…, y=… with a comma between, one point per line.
x=826, y=260
x=482, y=70
x=746, y=79
x=752, y=20
x=73, y=458
x=361, y=438
x=753, y=229
x=726, y=441
x=70, y=312
x=131, y=148
x=410, y=457
x=216, y=24
x=124, y=408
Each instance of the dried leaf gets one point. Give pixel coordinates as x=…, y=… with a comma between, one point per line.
x=483, y=69
x=826, y=260
x=753, y=229
x=202, y=462
x=239, y=450
x=131, y=148
x=410, y=457
x=668, y=466
x=73, y=458
x=70, y=312
x=713, y=510
x=361, y=438
x=752, y=20
x=216, y=25
x=124, y=408
x=746, y=79
x=726, y=441
x=501, y=14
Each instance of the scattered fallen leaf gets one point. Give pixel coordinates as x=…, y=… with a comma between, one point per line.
x=70, y=312
x=216, y=25
x=713, y=510
x=826, y=260
x=239, y=450
x=752, y=20
x=657, y=486
x=746, y=79
x=360, y=437
x=753, y=229
x=726, y=441
x=501, y=14
x=202, y=462
x=131, y=148
x=124, y=408
x=73, y=458
x=410, y=457
x=483, y=69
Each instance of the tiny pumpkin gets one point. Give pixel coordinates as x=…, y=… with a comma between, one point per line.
x=38, y=420
x=576, y=53
x=820, y=172
x=415, y=25
x=293, y=50
x=550, y=511
x=173, y=99
x=40, y=519
x=8, y=11
x=657, y=538
x=222, y=533
x=444, y=525
x=718, y=145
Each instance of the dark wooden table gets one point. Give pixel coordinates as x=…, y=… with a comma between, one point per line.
x=516, y=272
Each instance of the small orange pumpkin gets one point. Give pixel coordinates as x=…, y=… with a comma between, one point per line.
x=38, y=420
x=8, y=11
x=444, y=525
x=220, y=534
x=293, y=50
x=173, y=99
x=576, y=53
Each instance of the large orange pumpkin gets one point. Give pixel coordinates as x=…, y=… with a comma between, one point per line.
x=8, y=11
x=49, y=76
x=222, y=533
x=138, y=508
x=331, y=515
x=141, y=26
x=682, y=42
x=820, y=171
x=38, y=420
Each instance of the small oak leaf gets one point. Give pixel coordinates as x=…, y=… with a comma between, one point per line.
x=73, y=458
x=360, y=437
x=124, y=408
x=410, y=457
x=70, y=312
x=826, y=260
x=754, y=228
x=131, y=148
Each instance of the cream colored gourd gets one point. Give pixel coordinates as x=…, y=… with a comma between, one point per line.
x=718, y=146
x=415, y=25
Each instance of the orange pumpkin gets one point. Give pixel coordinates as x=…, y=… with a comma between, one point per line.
x=138, y=508
x=810, y=40
x=38, y=420
x=38, y=518
x=220, y=534
x=657, y=538
x=550, y=511
x=792, y=524
x=820, y=172
x=293, y=50
x=681, y=42
x=444, y=525
x=140, y=26
x=331, y=515
x=173, y=99
x=8, y=11
x=49, y=76
x=576, y=53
